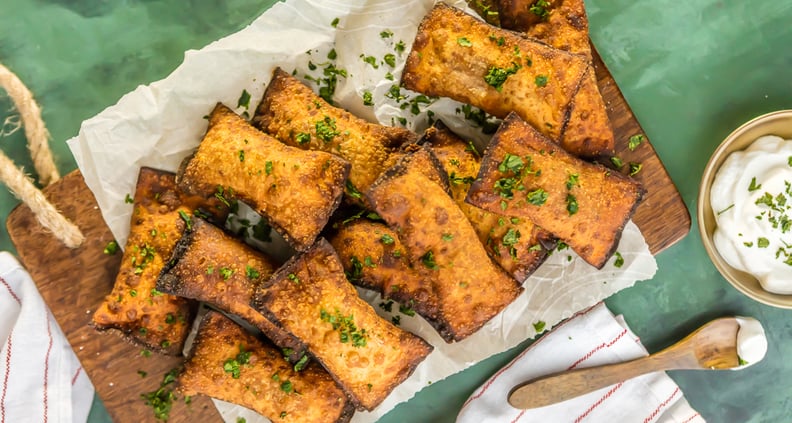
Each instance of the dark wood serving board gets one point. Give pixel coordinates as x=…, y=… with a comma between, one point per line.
x=74, y=282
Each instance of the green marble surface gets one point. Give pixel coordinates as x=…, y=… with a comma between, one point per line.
x=692, y=71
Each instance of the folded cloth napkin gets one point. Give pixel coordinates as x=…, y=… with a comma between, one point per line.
x=42, y=380
x=590, y=338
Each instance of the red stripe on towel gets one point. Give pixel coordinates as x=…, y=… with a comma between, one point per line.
x=662, y=404
x=11, y=291
x=597, y=348
x=599, y=402
x=5, y=378
x=516, y=359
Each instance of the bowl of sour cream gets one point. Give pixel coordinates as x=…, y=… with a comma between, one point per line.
x=745, y=208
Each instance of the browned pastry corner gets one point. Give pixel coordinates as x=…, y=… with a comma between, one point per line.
x=517, y=245
x=230, y=364
x=295, y=190
x=291, y=112
x=209, y=265
x=441, y=243
x=310, y=297
x=458, y=56
x=523, y=174
x=562, y=24
x=144, y=315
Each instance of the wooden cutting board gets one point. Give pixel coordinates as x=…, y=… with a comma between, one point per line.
x=74, y=282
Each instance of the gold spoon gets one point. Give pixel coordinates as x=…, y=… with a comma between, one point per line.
x=712, y=346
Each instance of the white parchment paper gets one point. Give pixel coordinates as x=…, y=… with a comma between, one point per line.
x=157, y=125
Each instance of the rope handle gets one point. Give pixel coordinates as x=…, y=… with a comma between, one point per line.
x=15, y=178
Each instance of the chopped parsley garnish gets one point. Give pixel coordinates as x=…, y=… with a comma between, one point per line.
x=619, y=262
x=352, y=191
x=511, y=163
x=464, y=42
x=128, y=199
x=301, y=363
x=233, y=365
x=447, y=237
x=572, y=204
x=226, y=272
x=371, y=60
x=332, y=55
x=387, y=239
x=762, y=242
x=754, y=186
x=635, y=168
x=540, y=80
x=399, y=47
x=294, y=278
x=726, y=209
x=457, y=180
x=617, y=162
x=406, y=310
x=345, y=325
x=537, y=197
x=251, y=272
x=111, y=248
x=334, y=24
x=539, y=326
x=496, y=76
x=186, y=218
x=497, y=40
x=572, y=180
x=540, y=9
x=143, y=256
x=244, y=100
x=302, y=138
x=326, y=129
x=161, y=400
x=386, y=33
x=390, y=60
x=287, y=387
x=368, y=98
x=428, y=260
x=242, y=156
x=635, y=141
x=356, y=271
x=479, y=118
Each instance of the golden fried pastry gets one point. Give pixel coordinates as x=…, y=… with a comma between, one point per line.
x=296, y=190
x=456, y=55
x=516, y=244
x=146, y=316
x=441, y=243
x=589, y=133
x=523, y=174
x=561, y=23
x=374, y=258
x=210, y=266
x=310, y=297
x=230, y=364
x=292, y=113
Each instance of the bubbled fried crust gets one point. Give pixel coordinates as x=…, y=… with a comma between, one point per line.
x=374, y=258
x=209, y=265
x=439, y=65
x=290, y=111
x=588, y=133
x=443, y=246
x=145, y=316
x=265, y=382
x=296, y=190
x=517, y=245
x=311, y=298
x=605, y=200
x=565, y=27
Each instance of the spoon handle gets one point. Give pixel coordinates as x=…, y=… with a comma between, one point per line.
x=559, y=387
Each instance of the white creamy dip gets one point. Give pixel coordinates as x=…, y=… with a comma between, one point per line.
x=751, y=342
x=751, y=198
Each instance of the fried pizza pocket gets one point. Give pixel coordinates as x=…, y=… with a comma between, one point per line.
x=291, y=112
x=211, y=266
x=525, y=175
x=229, y=364
x=296, y=190
x=143, y=314
x=439, y=240
x=310, y=297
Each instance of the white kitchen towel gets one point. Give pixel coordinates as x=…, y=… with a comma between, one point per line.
x=42, y=380
x=590, y=338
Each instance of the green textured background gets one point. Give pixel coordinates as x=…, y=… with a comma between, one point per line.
x=692, y=71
